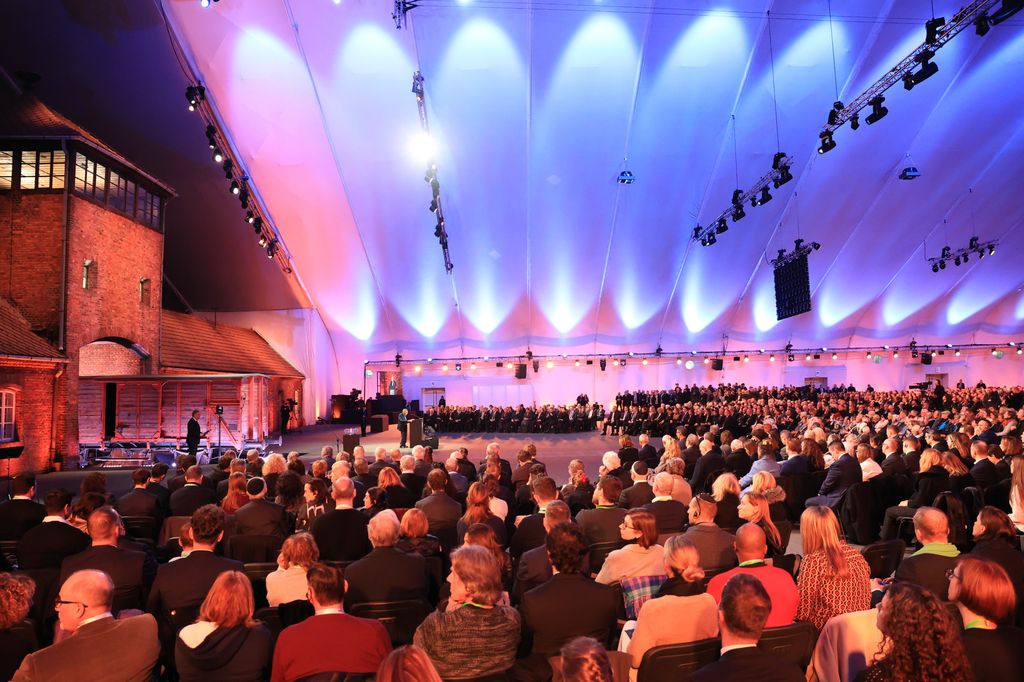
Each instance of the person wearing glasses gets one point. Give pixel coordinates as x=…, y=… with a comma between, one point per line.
x=96, y=648
x=642, y=556
x=984, y=595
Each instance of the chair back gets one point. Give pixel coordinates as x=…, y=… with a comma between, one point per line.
x=253, y=548
x=599, y=551
x=186, y=615
x=257, y=573
x=793, y=643
x=677, y=661
x=9, y=552
x=884, y=557
x=172, y=527
x=141, y=528
x=293, y=612
x=399, y=618
x=26, y=631
x=973, y=500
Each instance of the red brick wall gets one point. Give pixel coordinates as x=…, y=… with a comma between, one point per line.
x=34, y=413
x=106, y=358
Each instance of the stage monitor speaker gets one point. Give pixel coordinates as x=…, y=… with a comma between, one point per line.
x=926, y=358
x=349, y=441
x=717, y=364
x=521, y=370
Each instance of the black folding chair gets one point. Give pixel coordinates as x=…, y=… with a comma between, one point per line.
x=675, y=661
x=399, y=618
x=884, y=557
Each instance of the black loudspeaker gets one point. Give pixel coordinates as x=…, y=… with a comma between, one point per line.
x=926, y=358
x=521, y=370
x=717, y=364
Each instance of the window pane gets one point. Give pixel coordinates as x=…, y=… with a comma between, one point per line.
x=28, y=170
x=6, y=169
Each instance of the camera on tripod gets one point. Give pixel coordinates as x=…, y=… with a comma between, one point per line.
x=219, y=409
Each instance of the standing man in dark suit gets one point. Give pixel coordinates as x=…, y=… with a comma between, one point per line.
x=340, y=534
x=49, y=543
x=742, y=614
x=139, y=501
x=386, y=573
x=20, y=513
x=567, y=606
x=403, y=426
x=844, y=472
x=641, y=492
x=194, y=433
x=443, y=513
x=260, y=516
x=192, y=495
x=131, y=573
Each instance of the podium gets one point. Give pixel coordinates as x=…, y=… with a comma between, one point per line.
x=349, y=441
x=415, y=432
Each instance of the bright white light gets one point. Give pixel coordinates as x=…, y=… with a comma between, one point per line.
x=423, y=147
x=689, y=364
x=465, y=2
x=337, y=2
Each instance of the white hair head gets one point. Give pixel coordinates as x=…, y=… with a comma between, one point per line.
x=611, y=460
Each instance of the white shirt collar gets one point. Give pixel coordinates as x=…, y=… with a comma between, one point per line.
x=732, y=647
x=662, y=498
x=328, y=610
x=21, y=497
x=107, y=614
x=54, y=518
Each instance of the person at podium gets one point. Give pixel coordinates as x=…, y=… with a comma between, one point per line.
x=403, y=426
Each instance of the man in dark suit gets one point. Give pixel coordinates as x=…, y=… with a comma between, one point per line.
x=181, y=586
x=192, y=495
x=927, y=566
x=340, y=533
x=194, y=433
x=844, y=472
x=20, y=513
x=641, y=492
x=131, y=573
x=139, y=501
x=443, y=513
x=601, y=525
x=648, y=454
x=494, y=449
x=521, y=476
x=912, y=453
x=380, y=461
x=983, y=471
x=669, y=513
x=530, y=532
x=412, y=481
x=158, y=487
x=714, y=545
x=49, y=543
x=260, y=516
x=223, y=469
x=237, y=465
x=466, y=467
x=534, y=566
x=711, y=460
x=177, y=480
x=100, y=646
x=741, y=617
x=568, y=605
x=386, y=573
x=690, y=453
x=893, y=461
x=403, y=426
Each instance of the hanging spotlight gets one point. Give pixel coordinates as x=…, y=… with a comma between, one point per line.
x=444, y=367
x=707, y=360
x=472, y=365
x=854, y=121
x=957, y=352
x=764, y=198
x=418, y=369
x=257, y=224
x=771, y=358
x=679, y=361
x=644, y=362
x=835, y=356
x=931, y=29
x=981, y=24
x=272, y=249
x=991, y=249
x=928, y=68
x=935, y=267
x=878, y=111
x=895, y=354
x=738, y=213
x=194, y=94
x=458, y=366
x=833, y=114
x=398, y=359
x=577, y=363
x=243, y=197
x=956, y=261
x=263, y=240
x=218, y=157
x=807, y=357
x=868, y=355
x=746, y=358
x=235, y=189
x=211, y=136
x=942, y=265
x=827, y=143
x=250, y=217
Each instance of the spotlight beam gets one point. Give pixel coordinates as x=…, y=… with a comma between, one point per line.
x=436, y=205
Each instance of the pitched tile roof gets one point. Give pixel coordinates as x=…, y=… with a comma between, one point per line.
x=17, y=337
x=195, y=343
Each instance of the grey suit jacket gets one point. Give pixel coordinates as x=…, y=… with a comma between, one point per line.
x=106, y=650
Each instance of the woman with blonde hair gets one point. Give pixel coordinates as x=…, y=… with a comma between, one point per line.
x=415, y=537
x=642, y=556
x=959, y=475
x=236, y=497
x=754, y=508
x=931, y=481
x=478, y=510
x=1017, y=492
x=681, y=612
x=834, y=577
x=671, y=448
x=578, y=493
x=766, y=484
x=225, y=644
x=273, y=466
x=407, y=663
x=726, y=491
x=288, y=582
x=477, y=635
x=397, y=495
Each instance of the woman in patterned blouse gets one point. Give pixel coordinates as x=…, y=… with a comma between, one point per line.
x=834, y=577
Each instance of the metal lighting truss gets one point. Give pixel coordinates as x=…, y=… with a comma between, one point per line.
x=800, y=250
x=963, y=255
x=430, y=177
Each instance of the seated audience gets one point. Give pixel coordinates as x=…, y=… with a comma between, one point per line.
x=959, y=476
x=100, y=647
x=49, y=543
x=714, y=545
x=843, y=472
x=499, y=506
x=139, y=501
x=385, y=574
x=260, y=516
x=341, y=533
x=478, y=511
x=405, y=664
x=921, y=640
x=236, y=496
x=237, y=466
x=530, y=531
x=641, y=492
x=669, y=513
x=316, y=501
x=986, y=600
x=443, y=512
x=681, y=611
x=414, y=536
x=477, y=635
x=273, y=467
x=928, y=566
x=567, y=606
x=483, y=535
x=754, y=509
x=751, y=548
x=642, y=555
x=16, y=591
x=316, y=644
x=225, y=643
x=766, y=461
x=611, y=464
x=192, y=495
x=681, y=491
x=83, y=507
x=996, y=540
x=834, y=577
x=534, y=566
x=585, y=660
x=396, y=495
x=288, y=582
x=289, y=490
x=21, y=512
x=578, y=493
x=742, y=614
x=601, y=524
x=726, y=491
x=931, y=481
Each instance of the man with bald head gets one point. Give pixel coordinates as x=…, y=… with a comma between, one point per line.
x=341, y=533
x=96, y=649
x=893, y=462
x=927, y=566
x=751, y=548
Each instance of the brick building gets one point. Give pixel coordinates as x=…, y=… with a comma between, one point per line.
x=81, y=262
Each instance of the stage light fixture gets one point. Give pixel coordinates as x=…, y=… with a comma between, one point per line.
x=603, y=363
x=194, y=94
x=807, y=357
x=771, y=358
x=615, y=363
x=956, y=261
x=791, y=357
x=243, y=197
x=689, y=364
x=833, y=114
x=679, y=361
x=878, y=111
x=250, y=217
x=707, y=360
x=418, y=369
x=204, y=3
x=855, y=122
x=746, y=358
x=868, y=355
x=472, y=365
x=235, y=189
x=957, y=352
x=895, y=354
x=931, y=29
x=738, y=214
x=764, y=198
x=827, y=143
x=835, y=356
x=981, y=25
x=644, y=362
x=272, y=249
x=995, y=351
x=257, y=224
x=966, y=257
x=458, y=366
x=549, y=364
x=927, y=70
x=935, y=267
x=398, y=359
x=218, y=157
x=1020, y=351
x=263, y=240
x=211, y=136
x=942, y=265
x=657, y=351
x=228, y=167
x=577, y=363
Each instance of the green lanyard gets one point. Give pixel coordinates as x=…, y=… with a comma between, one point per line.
x=473, y=603
x=977, y=624
x=753, y=562
x=606, y=506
